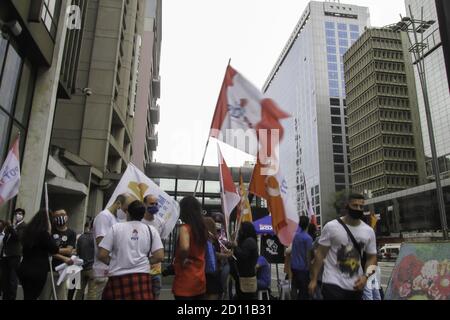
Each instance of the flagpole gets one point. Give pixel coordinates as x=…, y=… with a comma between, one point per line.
x=201, y=166
x=206, y=147
x=50, y=257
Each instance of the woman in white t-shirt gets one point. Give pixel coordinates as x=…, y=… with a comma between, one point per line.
x=129, y=248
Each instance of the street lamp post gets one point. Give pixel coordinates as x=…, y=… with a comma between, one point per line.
x=417, y=47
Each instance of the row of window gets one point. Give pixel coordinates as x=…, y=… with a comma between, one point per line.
x=354, y=76
x=369, y=158
x=360, y=98
x=395, y=114
x=400, y=154
x=341, y=26
x=402, y=181
x=366, y=132
x=390, y=66
x=356, y=114
x=364, y=123
x=396, y=127
x=388, y=54
x=393, y=90
x=398, y=140
x=392, y=78
x=366, y=151
x=383, y=43
x=372, y=185
x=401, y=167
x=368, y=173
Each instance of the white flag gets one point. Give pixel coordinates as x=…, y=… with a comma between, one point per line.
x=138, y=185
x=10, y=174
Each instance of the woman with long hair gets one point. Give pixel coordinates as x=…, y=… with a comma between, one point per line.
x=190, y=279
x=38, y=245
x=246, y=253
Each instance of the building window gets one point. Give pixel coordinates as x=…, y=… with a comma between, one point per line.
x=336, y=130
x=330, y=33
x=338, y=159
x=336, y=111
x=336, y=120
x=335, y=102
x=50, y=15
x=329, y=25
x=354, y=28
x=337, y=139
x=339, y=179
x=342, y=34
x=338, y=149
x=16, y=89
x=342, y=27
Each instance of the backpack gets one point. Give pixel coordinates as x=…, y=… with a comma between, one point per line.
x=210, y=258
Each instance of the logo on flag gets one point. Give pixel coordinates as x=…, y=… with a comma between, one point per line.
x=10, y=174
x=135, y=183
x=247, y=120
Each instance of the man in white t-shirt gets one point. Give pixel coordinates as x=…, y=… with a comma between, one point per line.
x=152, y=218
x=102, y=224
x=343, y=277
x=129, y=248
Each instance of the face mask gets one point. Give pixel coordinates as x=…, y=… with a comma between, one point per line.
x=19, y=217
x=355, y=214
x=153, y=209
x=218, y=226
x=121, y=215
x=60, y=221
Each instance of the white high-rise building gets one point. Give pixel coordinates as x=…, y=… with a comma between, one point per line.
x=308, y=81
x=437, y=84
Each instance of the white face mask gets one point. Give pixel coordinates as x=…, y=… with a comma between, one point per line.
x=218, y=226
x=19, y=217
x=121, y=215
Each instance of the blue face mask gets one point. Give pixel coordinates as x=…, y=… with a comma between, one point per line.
x=153, y=209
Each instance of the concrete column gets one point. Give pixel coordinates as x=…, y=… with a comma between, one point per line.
x=95, y=201
x=40, y=126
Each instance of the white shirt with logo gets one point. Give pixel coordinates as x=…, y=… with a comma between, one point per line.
x=102, y=224
x=129, y=247
x=342, y=263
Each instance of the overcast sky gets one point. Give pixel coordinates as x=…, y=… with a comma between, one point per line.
x=198, y=38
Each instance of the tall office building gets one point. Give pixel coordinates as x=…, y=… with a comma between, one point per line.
x=308, y=81
x=438, y=86
x=146, y=118
x=38, y=47
x=384, y=128
x=93, y=131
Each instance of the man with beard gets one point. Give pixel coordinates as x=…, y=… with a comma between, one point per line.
x=347, y=245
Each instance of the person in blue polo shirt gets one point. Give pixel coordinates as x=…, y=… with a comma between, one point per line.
x=301, y=256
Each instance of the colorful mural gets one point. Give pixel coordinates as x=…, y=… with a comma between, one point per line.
x=422, y=272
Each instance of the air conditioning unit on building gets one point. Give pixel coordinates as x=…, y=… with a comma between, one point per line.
x=156, y=88
x=154, y=114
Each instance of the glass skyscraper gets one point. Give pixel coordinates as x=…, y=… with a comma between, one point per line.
x=308, y=81
x=437, y=84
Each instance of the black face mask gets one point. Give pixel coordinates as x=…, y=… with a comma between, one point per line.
x=60, y=221
x=355, y=214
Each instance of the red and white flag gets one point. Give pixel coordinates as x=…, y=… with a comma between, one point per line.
x=229, y=194
x=241, y=112
x=10, y=174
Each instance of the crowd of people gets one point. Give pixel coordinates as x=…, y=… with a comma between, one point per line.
x=122, y=253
